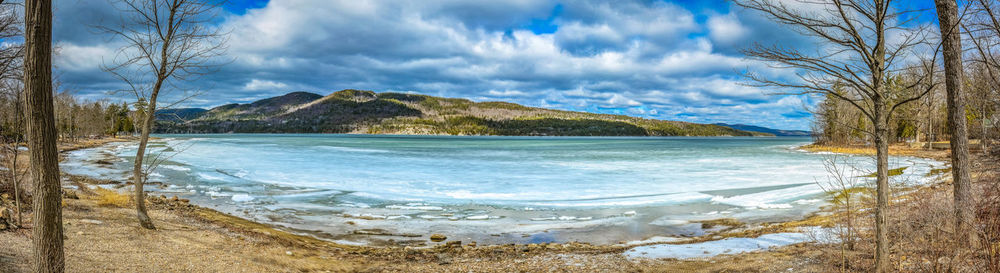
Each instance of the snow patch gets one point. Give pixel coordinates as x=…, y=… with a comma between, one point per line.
x=714, y=248
x=242, y=198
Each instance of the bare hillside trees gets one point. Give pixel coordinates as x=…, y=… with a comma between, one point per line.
x=855, y=62
x=167, y=42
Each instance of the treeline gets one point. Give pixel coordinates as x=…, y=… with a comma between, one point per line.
x=75, y=118
x=925, y=120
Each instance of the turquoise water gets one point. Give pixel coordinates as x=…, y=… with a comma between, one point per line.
x=457, y=183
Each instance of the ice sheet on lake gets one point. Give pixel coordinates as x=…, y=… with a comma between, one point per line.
x=714, y=248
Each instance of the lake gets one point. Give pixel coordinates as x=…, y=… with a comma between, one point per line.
x=370, y=189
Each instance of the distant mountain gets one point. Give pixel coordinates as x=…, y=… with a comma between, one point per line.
x=179, y=114
x=261, y=109
x=357, y=111
x=777, y=132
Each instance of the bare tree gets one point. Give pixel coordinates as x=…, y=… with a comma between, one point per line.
x=10, y=149
x=951, y=42
x=843, y=180
x=11, y=57
x=167, y=41
x=983, y=30
x=856, y=63
x=47, y=231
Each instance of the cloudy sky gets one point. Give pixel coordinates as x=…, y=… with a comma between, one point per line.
x=675, y=60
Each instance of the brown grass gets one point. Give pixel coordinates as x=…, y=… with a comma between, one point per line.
x=110, y=198
x=896, y=150
x=921, y=228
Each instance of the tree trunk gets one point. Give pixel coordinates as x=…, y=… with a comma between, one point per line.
x=930, y=127
x=137, y=172
x=18, y=116
x=983, y=140
x=881, y=128
x=47, y=233
x=947, y=11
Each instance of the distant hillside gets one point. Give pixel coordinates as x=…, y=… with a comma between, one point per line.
x=179, y=114
x=777, y=132
x=356, y=111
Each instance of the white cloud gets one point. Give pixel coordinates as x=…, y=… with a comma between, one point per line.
x=617, y=100
x=646, y=58
x=259, y=85
x=82, y=58
x=726, y=29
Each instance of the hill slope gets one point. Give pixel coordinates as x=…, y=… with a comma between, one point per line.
x=356, y=111
x=777, y=132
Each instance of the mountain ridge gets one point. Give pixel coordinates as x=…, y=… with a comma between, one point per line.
x=761, y=129
x=368, y=112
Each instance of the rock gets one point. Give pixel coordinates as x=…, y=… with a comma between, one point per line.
x=104, y=162
x=472, y=244
x=6, y=219
x=438, y=237
x=453, y=244
x=70, y=195
x=443, y=259
x=372, y=231
x=174, y=199
x=184, y=200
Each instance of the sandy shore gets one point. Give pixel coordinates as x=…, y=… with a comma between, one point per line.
x=102, y=238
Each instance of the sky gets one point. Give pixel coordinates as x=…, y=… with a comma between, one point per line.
x=672, y=60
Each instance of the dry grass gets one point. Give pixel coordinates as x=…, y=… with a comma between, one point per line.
x=110, y=198
x=896, y=150
x=729, y=222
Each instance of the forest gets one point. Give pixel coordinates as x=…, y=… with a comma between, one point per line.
x=924, y=121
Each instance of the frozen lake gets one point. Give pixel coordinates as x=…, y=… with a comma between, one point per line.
x=489, y=189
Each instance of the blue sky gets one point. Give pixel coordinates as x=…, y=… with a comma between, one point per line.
x=674, y=60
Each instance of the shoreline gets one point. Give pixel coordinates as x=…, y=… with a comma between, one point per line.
x=443, y=256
